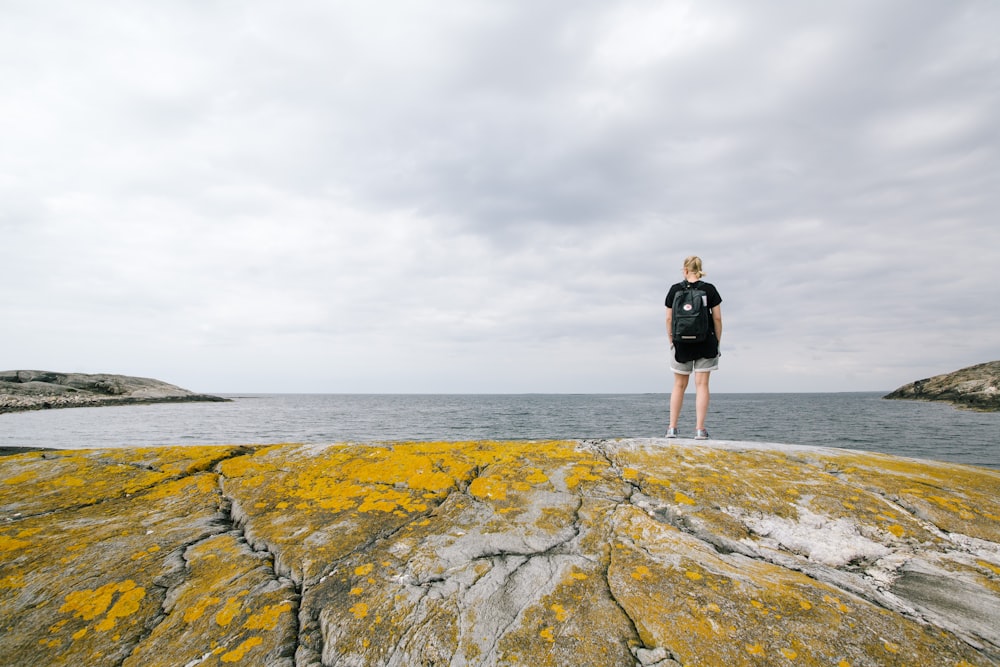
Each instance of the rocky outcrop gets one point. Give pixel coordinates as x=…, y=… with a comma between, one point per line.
x=629, y=552
x=39, y=390
x=976, y=387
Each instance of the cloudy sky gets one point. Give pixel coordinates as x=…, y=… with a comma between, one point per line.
x=494, y=196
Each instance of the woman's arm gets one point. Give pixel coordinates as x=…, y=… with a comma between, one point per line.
x=716, y=319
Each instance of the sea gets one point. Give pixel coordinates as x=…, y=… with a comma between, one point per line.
x=860, y=421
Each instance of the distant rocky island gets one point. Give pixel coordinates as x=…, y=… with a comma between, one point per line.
x=976, y=387
x=41, y=390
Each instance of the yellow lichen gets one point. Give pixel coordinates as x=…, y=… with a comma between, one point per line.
x=142, y=554
x=21, y=478
x=682, y=498
x=240, y=651
x=267, y=618
x=389, y=500
x=316, y=507
x=126, y=605
x=536, y=477
x=488, y=488
x=989, y=566
x=837, y=604
x=10, y=544
x=581, y=473
x=88, y=604
x=195, y=612
x=229, y=611
x=430, y=480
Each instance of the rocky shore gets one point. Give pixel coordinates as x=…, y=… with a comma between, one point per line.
x=976, y=387
x=41, y=390
x=624, y=552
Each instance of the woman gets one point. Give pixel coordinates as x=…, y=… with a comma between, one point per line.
x=700, y=358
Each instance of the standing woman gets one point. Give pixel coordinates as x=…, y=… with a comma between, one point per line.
x=700, y=358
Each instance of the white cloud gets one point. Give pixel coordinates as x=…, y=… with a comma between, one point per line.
x=639, y=35
x=915, y=129
x=495, y=197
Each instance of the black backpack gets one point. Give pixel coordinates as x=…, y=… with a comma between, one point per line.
x=689, y=314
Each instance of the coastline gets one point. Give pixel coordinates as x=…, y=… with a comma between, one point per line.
x=974, y=388
x=26, y=390
x=25, y=404
x=11, y=451
x=905, y=428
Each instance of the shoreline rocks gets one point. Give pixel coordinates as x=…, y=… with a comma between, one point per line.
x=41, y=390
x=975, y=388
x=612, y=552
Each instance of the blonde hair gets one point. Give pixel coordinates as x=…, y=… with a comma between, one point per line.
x=693, y=265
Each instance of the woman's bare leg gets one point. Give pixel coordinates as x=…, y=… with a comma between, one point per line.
x=701, y=398
x=677, y=397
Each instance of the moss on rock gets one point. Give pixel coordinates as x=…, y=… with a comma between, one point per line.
x=497, y=553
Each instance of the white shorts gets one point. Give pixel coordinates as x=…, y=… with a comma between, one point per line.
x=697, y=366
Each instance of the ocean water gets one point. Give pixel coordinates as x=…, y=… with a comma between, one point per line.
x=850, y=420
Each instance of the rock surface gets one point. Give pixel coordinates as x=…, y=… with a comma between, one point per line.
x=626, y=552
x=40, y=390
x=976, y=387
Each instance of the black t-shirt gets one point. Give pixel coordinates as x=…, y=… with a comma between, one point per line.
x=708, y=348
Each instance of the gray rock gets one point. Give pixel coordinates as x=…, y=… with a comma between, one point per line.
x=976, y=387
x=40, y=390
x=491, y=554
